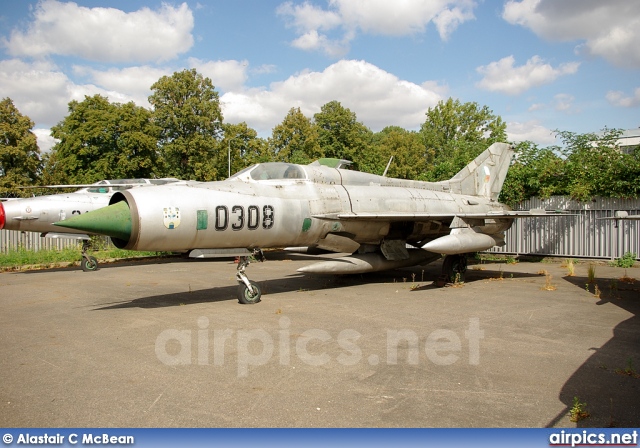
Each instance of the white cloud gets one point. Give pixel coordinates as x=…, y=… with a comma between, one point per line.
x=131, y=83
x=226, y=75
x=42, y=92
x=618, y=98
x=346, y=17
x=404, y=17
x=502, y=76
x=309, y=17
x=531, y=131
x=563, y=102
x=104, y=34
x=377, y=97
x=45, y=140
x=38, y=90
x=610, y=29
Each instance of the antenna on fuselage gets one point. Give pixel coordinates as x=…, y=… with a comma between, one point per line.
x=387, y=168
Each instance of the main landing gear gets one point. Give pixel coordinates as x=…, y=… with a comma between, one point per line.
x=248, y=291
x=88, y=263
x=453, y=269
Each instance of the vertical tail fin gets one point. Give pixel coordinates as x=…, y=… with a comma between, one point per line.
x=485, y=174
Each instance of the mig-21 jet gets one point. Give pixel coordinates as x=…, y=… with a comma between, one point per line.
x=384, y=223
x=38, y=213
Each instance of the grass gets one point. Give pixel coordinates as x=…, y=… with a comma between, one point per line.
x=15, y=259
x=591, y=273
x=571, y=268
x=548, y=286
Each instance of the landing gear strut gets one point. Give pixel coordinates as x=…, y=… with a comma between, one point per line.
x=88, y=263
x=248, y=291
x=454, y=268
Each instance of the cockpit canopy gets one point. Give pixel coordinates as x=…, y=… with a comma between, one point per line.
x=271, y=171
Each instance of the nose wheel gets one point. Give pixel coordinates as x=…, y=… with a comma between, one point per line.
x=88, y=263
x=248, y=291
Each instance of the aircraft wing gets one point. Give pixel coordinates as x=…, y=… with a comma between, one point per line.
x=622, y=215
x=420, y=216
x=82, y=186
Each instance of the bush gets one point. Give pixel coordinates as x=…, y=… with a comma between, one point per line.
x=626, y=261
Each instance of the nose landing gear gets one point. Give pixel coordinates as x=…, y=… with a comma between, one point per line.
x=248, y=291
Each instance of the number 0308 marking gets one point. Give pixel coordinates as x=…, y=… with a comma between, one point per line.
x=239, y=217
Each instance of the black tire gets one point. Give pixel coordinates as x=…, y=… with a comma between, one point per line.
x=247, y=297
x=89, y=265
x=454, y=267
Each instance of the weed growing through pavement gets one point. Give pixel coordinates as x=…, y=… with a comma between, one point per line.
x=571, y=267
x=591, y=273
x=578, y=410
x=626, y=279
x=629, y=370
x=548, y=286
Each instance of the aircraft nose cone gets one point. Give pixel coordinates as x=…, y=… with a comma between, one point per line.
x=2, y=216
x=113, y=221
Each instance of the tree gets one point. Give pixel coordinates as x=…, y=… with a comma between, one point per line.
x=595, y=166
x=295, y=140
x=586, y=165
x=101, y=140
x=535, y=172
x=409, y=159
x=454, y=133
x=340, y=135
x=186, y=108
x=243, y=147
x=20, y=161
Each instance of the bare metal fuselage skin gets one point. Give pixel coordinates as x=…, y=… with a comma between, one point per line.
x=330, y=208
x=37, y=214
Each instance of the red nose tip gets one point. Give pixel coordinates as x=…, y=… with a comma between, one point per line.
x=2, y=216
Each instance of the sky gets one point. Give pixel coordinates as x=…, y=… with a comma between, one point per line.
x=541, y=65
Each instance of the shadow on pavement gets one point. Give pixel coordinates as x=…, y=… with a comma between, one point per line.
x=609, y=381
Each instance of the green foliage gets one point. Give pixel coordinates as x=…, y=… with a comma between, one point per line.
x=586, y=165
x=20, y=162
x=23, y=257
x=578, y=410
x=626, y=261
x=535, y=172
x=595, y=166
x=455, y=133
x=102, y=140
x=14, y=259
x=341, y=136
x=409, y=158
x=186, y=108
x=245, y=147
x=295, y=140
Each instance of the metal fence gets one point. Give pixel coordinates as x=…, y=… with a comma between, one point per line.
x=13, y=239
x=580, y=236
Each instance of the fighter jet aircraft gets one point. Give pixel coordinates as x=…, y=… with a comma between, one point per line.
x=621, y=214
x=38, y=213
x=276, y=205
